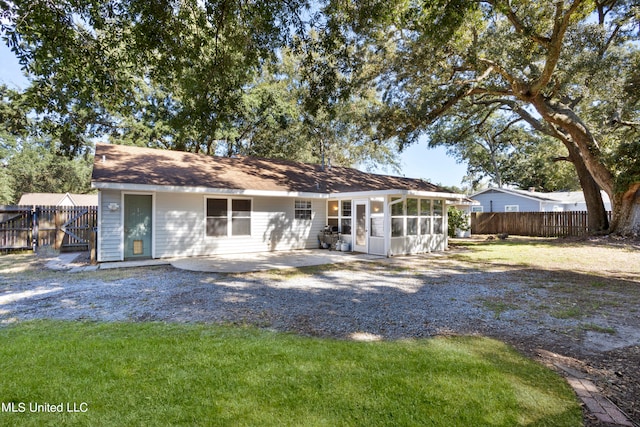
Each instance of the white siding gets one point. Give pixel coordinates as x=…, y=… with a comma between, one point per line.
x=180, y=227
x=110, y=227
x=418, y=244
x=376, y=246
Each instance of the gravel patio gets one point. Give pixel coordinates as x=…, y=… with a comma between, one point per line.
x=382, y=299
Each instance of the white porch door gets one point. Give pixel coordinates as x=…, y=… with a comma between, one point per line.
x=361, y=238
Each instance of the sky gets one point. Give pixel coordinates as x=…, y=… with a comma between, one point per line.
x=416, y=161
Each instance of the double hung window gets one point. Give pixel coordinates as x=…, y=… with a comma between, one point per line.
x=228, y=217
x=303, y=209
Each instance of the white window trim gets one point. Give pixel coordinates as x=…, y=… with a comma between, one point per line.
x=339, y=216
x=430, y=214
x=510, y=208
x=310, y=209
x=229, y=217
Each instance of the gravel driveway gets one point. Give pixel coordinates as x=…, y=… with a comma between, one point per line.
x=399, y=298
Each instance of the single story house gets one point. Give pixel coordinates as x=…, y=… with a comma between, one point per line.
x=161, y=203
x=508, y=200
x=58, y=199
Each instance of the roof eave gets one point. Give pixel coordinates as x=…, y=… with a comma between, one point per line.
x=269, y=193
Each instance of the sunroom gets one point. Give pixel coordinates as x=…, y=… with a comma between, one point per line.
x=389, y=224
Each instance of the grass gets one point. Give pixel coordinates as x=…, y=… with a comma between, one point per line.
x=554, y=254
x=569, y=312
x=597, y=328
x=173, y=374
x=497, y=306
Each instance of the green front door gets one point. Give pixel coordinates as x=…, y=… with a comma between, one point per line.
x=137, y=226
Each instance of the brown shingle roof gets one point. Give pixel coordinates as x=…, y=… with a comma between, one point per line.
x=146, y=166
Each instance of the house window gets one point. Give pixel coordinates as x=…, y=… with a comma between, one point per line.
x=228, y=217
x=415, y=217
x=217, y=217
x=240, y=217
x=397, y=218
x=377, y=218
x=339, y=215
x=345, y=221
x=477, y=209
x=511, y=208
x=333, y=214
x=303, y=210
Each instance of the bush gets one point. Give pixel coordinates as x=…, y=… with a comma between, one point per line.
x=457, y=220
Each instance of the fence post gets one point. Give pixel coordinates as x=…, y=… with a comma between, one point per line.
x=35, y=215
x=58, y=221
x=92, y=245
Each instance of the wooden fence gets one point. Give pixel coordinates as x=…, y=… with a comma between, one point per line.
x=538, y=224
x=62, y=227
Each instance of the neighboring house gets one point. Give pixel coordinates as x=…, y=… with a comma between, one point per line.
x=58, y=199
x=161, y=203
x=507, y=200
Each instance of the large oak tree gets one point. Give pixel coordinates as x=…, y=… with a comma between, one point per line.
x=568, y=69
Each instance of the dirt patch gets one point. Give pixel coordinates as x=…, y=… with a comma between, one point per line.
x=543, y=297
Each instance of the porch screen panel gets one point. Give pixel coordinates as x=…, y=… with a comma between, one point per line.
x=437, y=217
x=397, y=218
x=412, y=217
x=217, y=218
x=425, y=216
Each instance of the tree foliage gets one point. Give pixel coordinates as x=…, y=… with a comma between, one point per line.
x=566, y=69
x=183, y=64
x=503, y=152
x=212, y=76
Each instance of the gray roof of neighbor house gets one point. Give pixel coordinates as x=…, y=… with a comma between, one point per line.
x=118, y=164
x=54, y=199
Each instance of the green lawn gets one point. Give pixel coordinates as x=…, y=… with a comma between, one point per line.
x=553, y=254
x=174, y=374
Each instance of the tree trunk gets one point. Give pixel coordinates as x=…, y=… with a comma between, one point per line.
x=584, y=153
x=626, y=216
x=598, y=220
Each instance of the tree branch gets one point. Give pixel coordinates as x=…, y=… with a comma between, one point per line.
x=494, y=66
x=561, y=159
x=520, y=27
x=560, y=25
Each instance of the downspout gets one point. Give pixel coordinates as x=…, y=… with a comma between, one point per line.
x=387, y=233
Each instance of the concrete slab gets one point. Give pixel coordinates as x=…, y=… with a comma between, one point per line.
x=128, y=264
x=84, y=268
x=244, y=263
x=63, y=261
